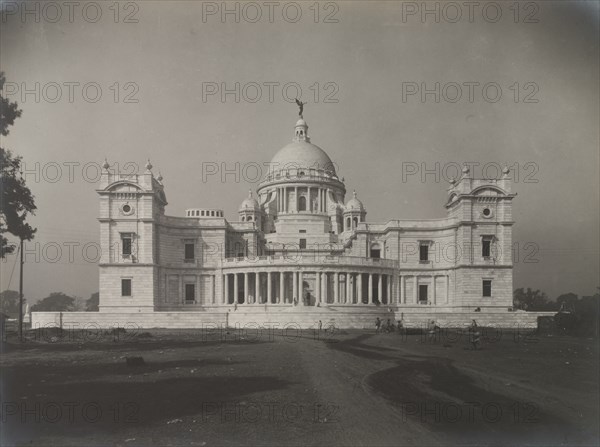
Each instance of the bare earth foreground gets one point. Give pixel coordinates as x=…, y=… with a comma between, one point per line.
x=299, y=388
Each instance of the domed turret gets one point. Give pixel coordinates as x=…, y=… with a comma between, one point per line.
x=249, y=210
x=354, y=213
x=354, y=204
x=249, y=203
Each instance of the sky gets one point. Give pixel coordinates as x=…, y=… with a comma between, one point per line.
x=517, y=85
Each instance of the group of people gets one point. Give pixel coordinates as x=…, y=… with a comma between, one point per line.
x=388, y=326
x=432, y=329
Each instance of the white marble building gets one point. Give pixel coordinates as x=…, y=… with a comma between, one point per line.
x=299, y=244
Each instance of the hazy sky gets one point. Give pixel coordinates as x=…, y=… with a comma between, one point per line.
x=360, y=54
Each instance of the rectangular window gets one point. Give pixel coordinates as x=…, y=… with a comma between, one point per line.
x=189, y=252
x=487, y=287
x=424, y=252
x=302, y=231
x=126, y=243
x=125, y=287
x=486, y=246
x=302, y=244
x=423, y=293
x=375, y=253
x=190, y=293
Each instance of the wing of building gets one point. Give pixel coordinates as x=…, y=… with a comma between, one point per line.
x=299, y=243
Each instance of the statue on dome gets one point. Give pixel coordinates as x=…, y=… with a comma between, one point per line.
x=301, y=105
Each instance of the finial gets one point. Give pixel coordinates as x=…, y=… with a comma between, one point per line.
x=249, y=193
x=160, y=177
x=105, y=165
x=148, y=165
x=301, y=105
x=506, y=170
x=354, y=193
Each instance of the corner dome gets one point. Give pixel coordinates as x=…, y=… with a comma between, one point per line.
x=302, y=154
x=354, y=204
x=249, y=204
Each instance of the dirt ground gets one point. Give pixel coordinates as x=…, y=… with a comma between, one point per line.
x=227, y=387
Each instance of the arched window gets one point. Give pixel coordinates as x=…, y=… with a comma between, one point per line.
x=243, y=218
x=302, y=203
x=348, y=220
x=355, y=221
x=249, y=219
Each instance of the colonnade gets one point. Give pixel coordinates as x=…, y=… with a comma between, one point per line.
x=307, y=288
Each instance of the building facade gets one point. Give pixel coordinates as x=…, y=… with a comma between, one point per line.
x=298, y=243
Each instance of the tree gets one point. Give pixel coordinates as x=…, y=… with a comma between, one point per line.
x=16, y=200
x=532, y=300
x=9, y=303
x=56, y=302
x=91, y=305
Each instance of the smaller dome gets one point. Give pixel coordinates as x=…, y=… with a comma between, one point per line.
x=301, y=122
x=249, y=203
x=354, y=204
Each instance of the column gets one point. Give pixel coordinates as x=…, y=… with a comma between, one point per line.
x=380, y=288
x=226, y=294
x=246, y=294
x=301, y=288
x=447, y=289
x=319, y=200
x=348, y=289
x=324, y=288
x=236, y=294
x=296, y=198
x=336, y=287
x=359, y=288
x=269, y=288
x=402, y=296
x=389, y=279
x=416, y=290
x=257, y=288
x=281, y=287
x=370, y=288
x=317, y=288
x=309, y=207
x=433, y=290
x=294, y=285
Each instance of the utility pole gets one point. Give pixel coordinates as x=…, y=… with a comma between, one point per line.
x=21, y=295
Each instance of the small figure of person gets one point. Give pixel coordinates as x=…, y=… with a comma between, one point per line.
x=431, y=330
x=474, y=335
x=320, y=325
x=389, y=326
x=377, y=325
x=400, y=326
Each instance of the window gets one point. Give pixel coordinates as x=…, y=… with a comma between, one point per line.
x=302, y=203
x=125, y=287
x=486, y=247
x=190, y=293
x=487, y=287
x=424, y=252
x=302, y=231
x=126, y=244
x=423, y=293
x=189, y=254
x=302, y=244
x=375, y=253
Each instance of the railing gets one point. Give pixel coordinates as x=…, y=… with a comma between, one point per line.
x=298, y=258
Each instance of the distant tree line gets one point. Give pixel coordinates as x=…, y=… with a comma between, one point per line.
x=55, y=302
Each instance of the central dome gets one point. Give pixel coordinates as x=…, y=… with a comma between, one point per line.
x=302, y=154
